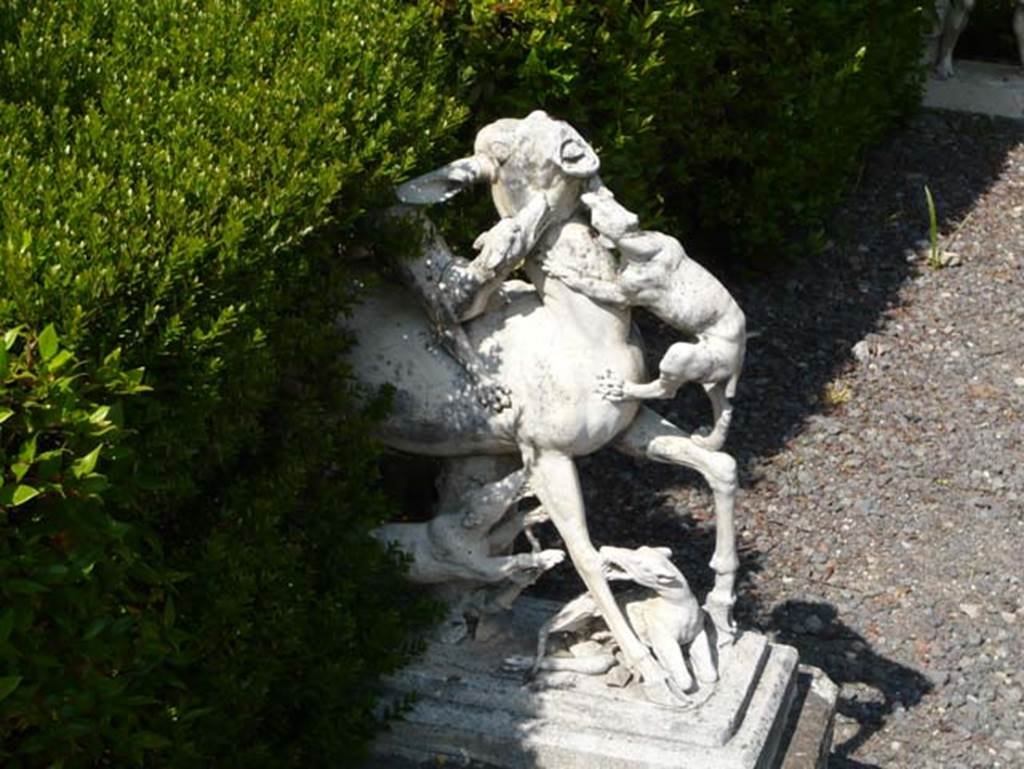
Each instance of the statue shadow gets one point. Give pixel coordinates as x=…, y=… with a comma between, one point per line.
x=875, y=688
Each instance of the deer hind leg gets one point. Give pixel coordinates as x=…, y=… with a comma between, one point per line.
x=655, y=438
x=954, y=25
x=557, y=485
x=1018, y=29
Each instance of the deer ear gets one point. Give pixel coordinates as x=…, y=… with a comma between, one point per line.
x=576, y=158
x=445, y=182
x=665, y=551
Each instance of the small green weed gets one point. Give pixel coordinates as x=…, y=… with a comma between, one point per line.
x=934, y=258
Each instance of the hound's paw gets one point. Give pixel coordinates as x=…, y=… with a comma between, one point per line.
x=664, y=691
x=611, y=387
x=502, y=242
x=549, y=559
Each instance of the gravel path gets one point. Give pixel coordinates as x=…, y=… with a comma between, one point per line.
x=879, y=428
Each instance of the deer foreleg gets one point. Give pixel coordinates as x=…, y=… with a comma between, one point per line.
x=557, y=485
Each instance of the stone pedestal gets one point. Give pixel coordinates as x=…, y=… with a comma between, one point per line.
x=764, y=712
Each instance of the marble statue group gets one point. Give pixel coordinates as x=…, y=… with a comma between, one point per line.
x=509, y=380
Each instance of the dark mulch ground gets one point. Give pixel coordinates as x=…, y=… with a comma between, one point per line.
x=879, y=429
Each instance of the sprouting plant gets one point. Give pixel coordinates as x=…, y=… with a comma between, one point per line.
x=836, y=393
x=934, y=260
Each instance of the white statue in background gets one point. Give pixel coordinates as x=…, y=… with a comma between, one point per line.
x=544, y=346
x=951, y=21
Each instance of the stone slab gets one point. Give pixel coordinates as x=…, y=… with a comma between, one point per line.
x=808, y=738
x=472, y=713
x=979, y=87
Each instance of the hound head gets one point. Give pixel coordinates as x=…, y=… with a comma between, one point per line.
x=648, y=566
x=641, y=245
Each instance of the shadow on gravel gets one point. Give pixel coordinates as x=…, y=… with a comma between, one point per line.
x=808, y=319
x=883, y=687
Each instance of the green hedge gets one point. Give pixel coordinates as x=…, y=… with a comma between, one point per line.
x=86, y=618
x=174, y=179
x=736, y=123
x=180, y=185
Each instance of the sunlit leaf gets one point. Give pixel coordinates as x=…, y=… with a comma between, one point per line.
x=12, y=336
x=17, y=494
x=85, y=465
x=59, y=360
x=48, y=342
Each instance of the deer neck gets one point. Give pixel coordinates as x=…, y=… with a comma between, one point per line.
x=574, y=244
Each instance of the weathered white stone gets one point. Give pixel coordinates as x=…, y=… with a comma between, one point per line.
x=467, y=539
x=468, y=709
x=656, y=274
x=666, y=618
x=487, y=369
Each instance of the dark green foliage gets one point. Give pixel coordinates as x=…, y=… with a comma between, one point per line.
x=174, y=180
x=298, y=615
x=86, y=601
x=741, y=120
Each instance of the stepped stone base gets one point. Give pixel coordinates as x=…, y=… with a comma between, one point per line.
x=764, y=713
